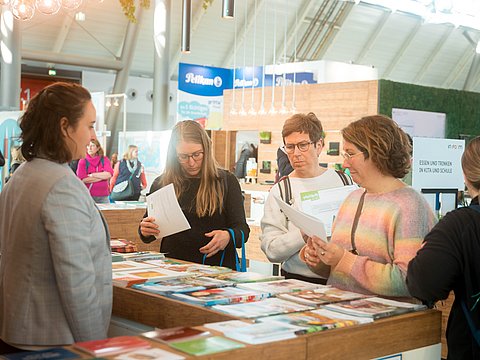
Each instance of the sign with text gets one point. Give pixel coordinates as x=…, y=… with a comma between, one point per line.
x=437, y=163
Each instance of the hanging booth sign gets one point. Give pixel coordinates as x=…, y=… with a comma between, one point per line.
x=248, y=76
x=299, y=78
x=200, y=94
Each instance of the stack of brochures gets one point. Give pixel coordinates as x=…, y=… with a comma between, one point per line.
x=280, y=286
x=321, y=295
x=216, y=296
x=181, y=285
x=373, y=307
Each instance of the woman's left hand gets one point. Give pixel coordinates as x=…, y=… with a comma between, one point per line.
x=220, y=240
x=327, y=252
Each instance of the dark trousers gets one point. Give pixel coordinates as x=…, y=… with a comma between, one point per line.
x=289, y=275
x=8, y=349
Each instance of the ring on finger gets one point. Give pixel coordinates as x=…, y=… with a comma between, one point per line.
x=322, y=253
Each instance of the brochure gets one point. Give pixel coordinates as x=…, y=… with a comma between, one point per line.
x=308, y=224
x=175, y=334
x=163, y=206
x=112, y=346
x=205, y=346
x=152, y=354
x=320, y=296
x=280, y=286
x=263, y=332
x=225, y=295
x=373, y=307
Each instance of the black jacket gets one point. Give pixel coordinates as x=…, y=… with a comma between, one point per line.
x=450, y=260
x=2, y=159
x=185, y=245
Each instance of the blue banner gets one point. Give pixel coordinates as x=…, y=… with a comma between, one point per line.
x=203, y=80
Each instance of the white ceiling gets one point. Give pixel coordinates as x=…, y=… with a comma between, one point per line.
x=399, y=45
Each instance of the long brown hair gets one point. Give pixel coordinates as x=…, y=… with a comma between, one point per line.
x=99, y=147
x=41, y=122
x=209, y=197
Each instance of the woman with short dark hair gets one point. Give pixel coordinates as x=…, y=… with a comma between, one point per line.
x=56, y=267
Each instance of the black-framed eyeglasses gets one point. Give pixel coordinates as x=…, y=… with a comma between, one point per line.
x=196, y=156
x=302, y=146
x=348, y=156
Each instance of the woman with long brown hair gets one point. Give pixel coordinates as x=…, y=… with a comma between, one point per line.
x=209, y=196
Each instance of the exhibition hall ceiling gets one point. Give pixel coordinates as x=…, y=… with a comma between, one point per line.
x=403, y=47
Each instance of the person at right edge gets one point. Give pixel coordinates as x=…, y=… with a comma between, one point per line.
x=281, y=240
x=379, y=228
x=210, y=198
x=449, y=259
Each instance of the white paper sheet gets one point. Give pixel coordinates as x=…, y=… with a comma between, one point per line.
x=324, y=204
x=163, y=206
x=308, y=224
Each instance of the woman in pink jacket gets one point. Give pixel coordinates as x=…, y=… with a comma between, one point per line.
x=95, y=171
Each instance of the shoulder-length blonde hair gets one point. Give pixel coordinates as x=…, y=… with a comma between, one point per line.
x=210, y=194
x=127, y=155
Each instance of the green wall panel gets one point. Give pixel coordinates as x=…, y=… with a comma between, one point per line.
x=462, y=108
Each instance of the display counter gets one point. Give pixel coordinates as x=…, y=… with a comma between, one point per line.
x=381, y=338
x=123, y=223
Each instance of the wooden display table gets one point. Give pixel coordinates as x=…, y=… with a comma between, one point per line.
x=380, y=338
x=123, y=223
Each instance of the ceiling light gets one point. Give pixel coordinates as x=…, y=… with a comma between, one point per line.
x=22, y=9
x=48, y=7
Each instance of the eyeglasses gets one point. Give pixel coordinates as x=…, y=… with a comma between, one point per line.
x=348, y=156
x=196, y=156
x=302, y=146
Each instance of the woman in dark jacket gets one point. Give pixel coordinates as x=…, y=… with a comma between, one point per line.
x=209, y=196
x=450, y=260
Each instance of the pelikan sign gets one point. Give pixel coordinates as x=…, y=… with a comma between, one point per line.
x=203, y=80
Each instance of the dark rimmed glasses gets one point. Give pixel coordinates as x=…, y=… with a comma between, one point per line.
x=302, y=146
x=196, y=156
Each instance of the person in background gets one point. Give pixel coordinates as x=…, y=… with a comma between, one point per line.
x=17, y=159
x=130, y=167
x=380, y=227
x=284, y=167
x=2, y=159
x=114, y=159
x=248, y=151
x=281, y=239
x=449, y=260
x=209, y=196
x=56, y=266
x=95, y=171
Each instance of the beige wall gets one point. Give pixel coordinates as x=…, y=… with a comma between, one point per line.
x=335, y=104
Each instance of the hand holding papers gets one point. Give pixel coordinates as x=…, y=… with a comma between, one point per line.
x=308, y=224
x=164, y=207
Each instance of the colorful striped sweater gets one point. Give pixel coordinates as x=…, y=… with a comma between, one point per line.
x=390, y=230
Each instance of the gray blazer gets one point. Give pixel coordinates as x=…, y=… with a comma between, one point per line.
x=55, y=264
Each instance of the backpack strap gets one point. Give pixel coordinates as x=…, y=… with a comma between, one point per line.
x=347, y=180
x=87, y=164
x=286, y=194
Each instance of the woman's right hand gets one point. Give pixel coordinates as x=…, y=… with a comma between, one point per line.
x=148, y=227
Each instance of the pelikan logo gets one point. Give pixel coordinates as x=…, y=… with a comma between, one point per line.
x=200, y=80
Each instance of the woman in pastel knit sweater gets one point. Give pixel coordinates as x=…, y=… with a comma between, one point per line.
x=380, y=227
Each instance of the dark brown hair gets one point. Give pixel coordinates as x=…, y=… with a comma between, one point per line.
x=380, y=138
x=41, y=122
x=304, y=123
x=471, y=162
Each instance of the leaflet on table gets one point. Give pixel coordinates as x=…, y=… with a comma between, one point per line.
x=324, y=204
x=307, y=223
x=163, y=206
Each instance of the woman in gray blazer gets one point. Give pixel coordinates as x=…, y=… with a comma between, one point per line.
x=55, y=264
